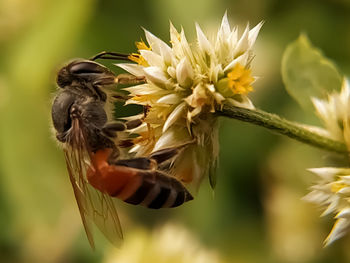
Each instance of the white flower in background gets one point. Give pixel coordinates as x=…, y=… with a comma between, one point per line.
x=332, y=192
x=334, y=113
x=170, y=243
x=186, y=83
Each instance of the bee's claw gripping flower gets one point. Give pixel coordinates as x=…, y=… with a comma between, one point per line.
x=186, y=82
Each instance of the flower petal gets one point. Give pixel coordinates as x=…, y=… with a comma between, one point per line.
x=344, y=213
x=172, y=72
x=253, y=33
x=242, y=59
x=233, y=38
x=243, y=43
x=156, y=76
x=152, y=58
x=339, y=229
x=224, y=30
x=174, y=116
x=326, y=173
x=186, y=49
x=170, y=99
x=243, y=103
x=159, y=47
x=203, y=43
x=134, y=69
x=184, y=73
x=332, y=207
x=166, y=140
x=143, y=89
x=153, y=41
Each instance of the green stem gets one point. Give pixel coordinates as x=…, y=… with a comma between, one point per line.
x=279, y=125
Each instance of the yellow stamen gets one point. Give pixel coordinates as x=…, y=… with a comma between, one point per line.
x=138, y=59
x=141, y=45
x=142, y=98
x=336, y=187
x=240, y=80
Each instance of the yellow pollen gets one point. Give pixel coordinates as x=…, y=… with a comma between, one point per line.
x=240, y=80
x=142, y=98
x=138, y=59
x=336, y=187
x=141, y=45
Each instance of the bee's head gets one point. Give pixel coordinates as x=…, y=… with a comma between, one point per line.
x=84, y=71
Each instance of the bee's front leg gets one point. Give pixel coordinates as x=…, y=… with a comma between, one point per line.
x=129, y=79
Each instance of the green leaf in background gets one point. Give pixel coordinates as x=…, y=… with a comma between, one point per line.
x=307, y=73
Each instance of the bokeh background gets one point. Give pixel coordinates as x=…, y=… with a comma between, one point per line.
x=255, y=214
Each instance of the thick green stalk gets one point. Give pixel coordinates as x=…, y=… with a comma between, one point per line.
x=282, y=126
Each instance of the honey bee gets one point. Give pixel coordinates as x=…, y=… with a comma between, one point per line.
x=92, y=149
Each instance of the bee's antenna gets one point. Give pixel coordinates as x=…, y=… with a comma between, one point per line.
x=110, y=55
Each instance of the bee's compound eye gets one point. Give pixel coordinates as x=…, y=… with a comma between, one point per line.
x=86, y=67
x=60, y=111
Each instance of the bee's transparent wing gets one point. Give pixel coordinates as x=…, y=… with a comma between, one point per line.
x=93, y=204
x=104, y=214
x=77, y=180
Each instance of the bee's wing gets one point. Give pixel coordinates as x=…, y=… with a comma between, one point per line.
x=93, y=204
x=104, y=214
x=77, y=178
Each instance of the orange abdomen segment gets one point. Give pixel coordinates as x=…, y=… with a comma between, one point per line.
x=149, y=188
x=110, y=179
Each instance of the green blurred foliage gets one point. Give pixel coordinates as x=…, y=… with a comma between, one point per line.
x=308, y=74
x=255, y=214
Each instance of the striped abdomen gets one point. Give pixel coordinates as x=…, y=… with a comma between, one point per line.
x=149, y=188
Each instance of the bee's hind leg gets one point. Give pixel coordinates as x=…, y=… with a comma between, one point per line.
x=166, y=154
x=142, y=163
x=147, y=163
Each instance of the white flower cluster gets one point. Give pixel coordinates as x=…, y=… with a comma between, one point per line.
x=193, y=76
x=333, y=188
x=185, y=83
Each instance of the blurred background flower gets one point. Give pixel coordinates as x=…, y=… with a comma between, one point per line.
x=332, y=193
x=256, y=214
x=334, y=113
x=166, y=244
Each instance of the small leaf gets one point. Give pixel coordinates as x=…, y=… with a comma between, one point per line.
x=307, y=73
